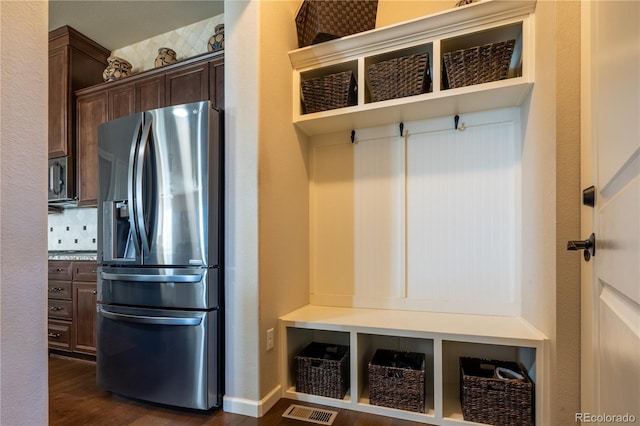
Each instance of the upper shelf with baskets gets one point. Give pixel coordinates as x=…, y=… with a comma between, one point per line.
x=470, y=58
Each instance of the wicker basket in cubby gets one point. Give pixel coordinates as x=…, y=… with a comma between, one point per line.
x=400, y=77
x=396, y=380
x=331, y=91
x=487, y=396
x=478, y=64
x=323, y=369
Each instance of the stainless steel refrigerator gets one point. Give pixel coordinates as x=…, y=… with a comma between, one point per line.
x=160, y=250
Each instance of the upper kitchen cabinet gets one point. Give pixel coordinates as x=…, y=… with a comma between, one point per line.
x=192, y=80
x=436, y=47
x=75, y=62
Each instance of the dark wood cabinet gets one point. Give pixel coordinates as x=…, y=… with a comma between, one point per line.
x=187, y=84
x=150, y=93
x=75, y=62
x=72, y=306
x=196, y=79
x=121, y=101
x=92, y=111
x=216, y=82
x=84, y=317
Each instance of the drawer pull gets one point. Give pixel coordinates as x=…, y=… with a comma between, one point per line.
x=55, y=308
x=54, y=335
x=55, y=289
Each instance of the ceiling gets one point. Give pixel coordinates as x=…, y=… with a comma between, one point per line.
x=115, y=24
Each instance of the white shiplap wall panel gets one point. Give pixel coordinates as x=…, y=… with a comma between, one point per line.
x=461, y=217
x=379, y=218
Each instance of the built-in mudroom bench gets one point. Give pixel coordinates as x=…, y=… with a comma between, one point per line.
x=417, y=214
x=442, y=337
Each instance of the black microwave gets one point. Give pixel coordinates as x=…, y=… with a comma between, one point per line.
x=61, y=185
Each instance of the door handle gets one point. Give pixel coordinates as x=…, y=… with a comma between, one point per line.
x=588, y=245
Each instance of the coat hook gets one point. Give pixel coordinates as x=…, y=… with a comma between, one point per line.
x=353, y=136
x=456, y=119
x=401, y=129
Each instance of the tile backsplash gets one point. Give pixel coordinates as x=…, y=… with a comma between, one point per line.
x=187, y=41
x=74, y=229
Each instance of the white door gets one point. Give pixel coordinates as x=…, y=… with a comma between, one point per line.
x=611, y=162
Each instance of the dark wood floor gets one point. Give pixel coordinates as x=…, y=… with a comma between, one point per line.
x=75, y=400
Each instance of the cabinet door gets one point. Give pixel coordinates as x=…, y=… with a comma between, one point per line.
x=150, y=93
x=85, y=271
x=92, y=111
x=59, y=334
x=84, y=317
x=59, y=131
x=216, y=82
x=188, y=84
x=121, y=101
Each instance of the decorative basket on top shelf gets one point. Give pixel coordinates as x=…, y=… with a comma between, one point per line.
x=495, y=392
x=478, y=64
x=396, y=380
x=323, y=369
x=400, y=77
x=329, y=92
x=324, y=20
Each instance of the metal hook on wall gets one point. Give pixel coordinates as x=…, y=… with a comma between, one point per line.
x=353, y=136
x=401, y=129
x=459, y=126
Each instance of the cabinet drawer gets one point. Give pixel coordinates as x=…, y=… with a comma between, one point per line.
x=59, y=290
x=85, y=271
x=60, y=269
x=59, y=333
x=60, y=309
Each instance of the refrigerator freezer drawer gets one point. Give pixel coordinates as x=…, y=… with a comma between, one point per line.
x=180, y=288
x=160, y=356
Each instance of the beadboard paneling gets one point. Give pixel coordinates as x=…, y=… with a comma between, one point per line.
x=461, y=216
x=426, y=222
x=379, y=227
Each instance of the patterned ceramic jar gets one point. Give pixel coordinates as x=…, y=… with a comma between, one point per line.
x=165, y=56
x=117, y=69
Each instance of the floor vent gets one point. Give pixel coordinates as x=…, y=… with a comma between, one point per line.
x=309, y=414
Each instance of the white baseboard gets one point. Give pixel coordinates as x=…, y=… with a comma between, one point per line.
x=252, y=408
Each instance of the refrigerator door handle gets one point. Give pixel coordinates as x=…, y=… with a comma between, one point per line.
x=131, y=188
x=189, y=278
x=139, y=199
x=142, y=319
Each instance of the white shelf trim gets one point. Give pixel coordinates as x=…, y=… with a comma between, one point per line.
x=480, y=328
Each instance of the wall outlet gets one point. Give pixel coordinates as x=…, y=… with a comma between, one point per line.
x=270, y=339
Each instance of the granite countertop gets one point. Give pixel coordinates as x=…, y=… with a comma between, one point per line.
x=73, y=255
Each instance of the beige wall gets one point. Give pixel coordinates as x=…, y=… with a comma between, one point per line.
x=283, y=186
x=550, y=191
x=568, y=202
x=23, y=215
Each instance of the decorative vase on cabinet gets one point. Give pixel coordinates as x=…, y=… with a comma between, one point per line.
x=216, y=42
x=117, y=69
x=165, y=56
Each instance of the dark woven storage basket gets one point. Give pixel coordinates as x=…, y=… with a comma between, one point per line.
x=485, y=398
x=400, y=77
x=396, y=380
x=329, y=92
x=479, y=64
x=323, y=20
x=323, y=369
